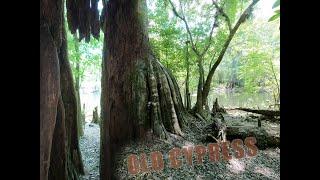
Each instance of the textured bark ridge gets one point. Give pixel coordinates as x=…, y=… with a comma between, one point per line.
x=49, y=96
x=139, y=95
x=58, y=162
x=68, y=94
x=60, y=156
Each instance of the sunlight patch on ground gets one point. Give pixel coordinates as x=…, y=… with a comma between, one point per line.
x=273, y=153
x=236, y=166
x=264, y=171
x=188, y=144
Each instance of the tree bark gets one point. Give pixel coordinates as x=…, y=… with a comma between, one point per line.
x=187, y=93
x=199, y=104
x=79, y=113
x=70, y=103
x=49, y=95
x=95, y=116
x=77, y=76
x=139, y=95
x=216, y=108
x=77, y=86
x=60, y=157
x=58, y=163
x=66, y=158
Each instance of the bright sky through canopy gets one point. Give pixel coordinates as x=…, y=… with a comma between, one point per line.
x=263, y=10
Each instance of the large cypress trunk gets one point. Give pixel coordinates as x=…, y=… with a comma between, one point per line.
x=68, y=94
x=58, y=162
x=60, y=157
x=139, y=95
x=49, y=95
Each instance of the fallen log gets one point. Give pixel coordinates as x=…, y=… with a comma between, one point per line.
x=275, y=119
x=263, y=112
x=264, y=139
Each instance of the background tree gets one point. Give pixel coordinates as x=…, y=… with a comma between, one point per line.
x=168, y=43
x=219, y=14
x=187, y=92
x=259, y=66
x=76, y=72
x=85, y=60
x=232, y=30
x=199, y=53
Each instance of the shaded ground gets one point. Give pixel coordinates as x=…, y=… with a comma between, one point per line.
x=90, y=150
x=266, y=165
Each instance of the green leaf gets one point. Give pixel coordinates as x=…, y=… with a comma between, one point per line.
x=276, y=4
x=274, y=17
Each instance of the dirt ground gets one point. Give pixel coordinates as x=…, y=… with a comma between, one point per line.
x=265, y=165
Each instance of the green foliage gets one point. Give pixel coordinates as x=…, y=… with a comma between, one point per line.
x=276, y=4
x=259, y=65
x=253, y=70
x=275, y=16
x=251, y=61
x=276, y=12
x=168, y=34
x=166, y=38
x=87, y=55
x=231, y=7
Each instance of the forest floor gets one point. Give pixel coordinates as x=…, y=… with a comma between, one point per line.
x=265, y=165
x=90, y=151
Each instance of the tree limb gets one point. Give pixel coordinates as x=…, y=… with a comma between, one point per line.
x=221, y=11
x=210, y=37
x=242, y=18
x=193, y=44
x=182, y=17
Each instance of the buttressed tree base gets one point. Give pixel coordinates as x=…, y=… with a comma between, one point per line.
x=154, y=53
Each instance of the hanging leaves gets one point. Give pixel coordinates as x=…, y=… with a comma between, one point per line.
x=83, y=15
x=276, y=12
x=275, y=16
x=95, y=26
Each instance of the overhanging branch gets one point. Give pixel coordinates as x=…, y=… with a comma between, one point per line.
x=221, y=11
x=182, y=17
x=242, y=18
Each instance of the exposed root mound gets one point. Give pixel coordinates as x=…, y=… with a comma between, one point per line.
x=157, y=100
